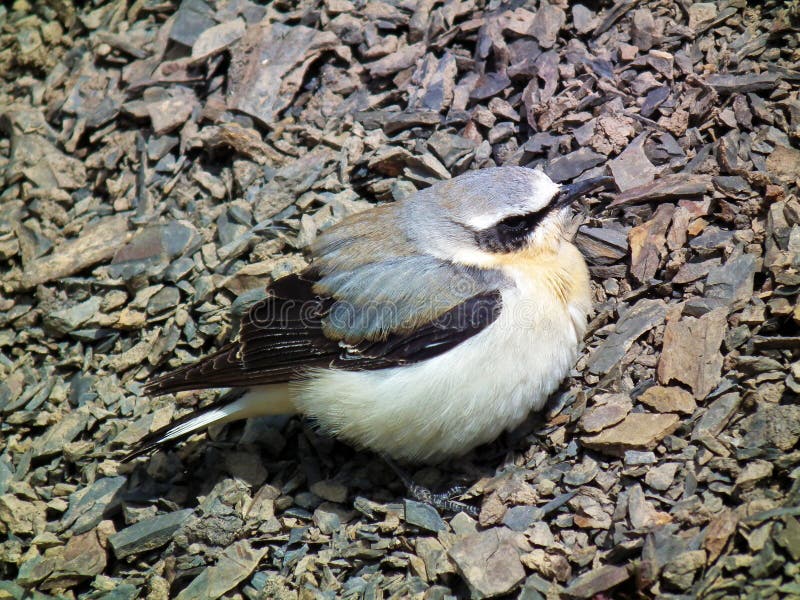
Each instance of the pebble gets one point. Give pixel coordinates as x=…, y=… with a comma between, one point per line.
x=668, y=400
x=424, y=516
x=330, y=490
x=661, y=477
x=61, y=322
x=147, y=534
x=638, y=431
x=489, y=562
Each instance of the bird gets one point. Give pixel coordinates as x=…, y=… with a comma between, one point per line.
x=421, y=329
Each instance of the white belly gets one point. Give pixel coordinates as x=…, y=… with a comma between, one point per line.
x=465, y=397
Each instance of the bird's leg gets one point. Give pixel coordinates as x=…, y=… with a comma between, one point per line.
x=442, y=501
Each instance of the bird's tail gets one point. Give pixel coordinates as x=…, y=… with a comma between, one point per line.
x=256, y=402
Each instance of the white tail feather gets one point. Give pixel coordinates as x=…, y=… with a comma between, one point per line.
x=256, y=402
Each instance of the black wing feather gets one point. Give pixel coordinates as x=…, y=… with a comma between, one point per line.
x=283, y=335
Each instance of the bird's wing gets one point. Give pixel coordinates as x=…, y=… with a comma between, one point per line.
x=290, y=331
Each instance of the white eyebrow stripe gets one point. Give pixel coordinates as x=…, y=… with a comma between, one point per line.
x=484, y=221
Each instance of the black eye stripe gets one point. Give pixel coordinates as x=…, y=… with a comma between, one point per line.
x=511, y=233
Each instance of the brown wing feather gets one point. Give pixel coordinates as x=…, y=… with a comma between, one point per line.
x=284, y=335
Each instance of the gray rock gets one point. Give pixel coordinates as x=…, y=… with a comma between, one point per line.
x=60, y=433
x=634, y=457
x=148, y=534
x=713, y=238
x=716, y=416
x=179, y=269
x=641, y=317
x=450, y=148
x=581, y=474
x=520, y=518
x=596, y=581
x=90, y=505
x=330, y=490
x=569, y=166
x=327, y=520
x=632, y=168
x=163, y=300
x=733, y=281
x=63, y=321
x=152, y=248
x=424, y=516
x=679, y=573
x=489, y=562
x=234, y=565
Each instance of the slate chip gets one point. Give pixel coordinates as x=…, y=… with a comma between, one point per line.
x=147, y=534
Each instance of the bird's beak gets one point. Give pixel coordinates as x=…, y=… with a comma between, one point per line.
x=569, y=193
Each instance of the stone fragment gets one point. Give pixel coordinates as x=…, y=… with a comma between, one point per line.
x=61, y=432
x=450, y=148
x=641, y=512
x=192, y=18
x=716, y=416
x=22, y=517
x=680, y=572
x=423, y=515
x=596, y=581
x=90, y=505
x=84, y=556
x=754, y=471
x=546, y=24
x=643, y=28
x=691, y=351
x=153, y=247
x=520, y=518
x=632, y=168
x=234, y=565
x=727, y=83
x=61, y=322
x=98, y=242
x=171, y=112
x=635, y=457
x=639, y=431
x=701, y=13
x=773, y=425
x=732, y=283
x=692, y=271
x=268, y=65
x=784, y=163
x=669, y=187
x=661, y=477
x=434, y=556
x=789, y=538
x=147, y=534
x=569, y=166
x=647, y=242
x=668, y=399
x=167, y=298
x=718, y=532
x=550, y=564
x=639, y=318
x=489, y=562
x=397, y=61
x=330, y=490
x=608, y=410
x=217, y=38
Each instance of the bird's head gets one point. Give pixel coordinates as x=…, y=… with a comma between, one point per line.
x=488, y=215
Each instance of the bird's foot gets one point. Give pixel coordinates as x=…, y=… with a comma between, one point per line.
x=441, y=501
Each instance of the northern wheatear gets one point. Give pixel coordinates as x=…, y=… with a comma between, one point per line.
x=421, y=329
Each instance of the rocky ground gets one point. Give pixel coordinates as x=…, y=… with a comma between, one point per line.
x=162, y=161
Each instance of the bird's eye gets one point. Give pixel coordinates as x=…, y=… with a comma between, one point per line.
x=515, y=224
